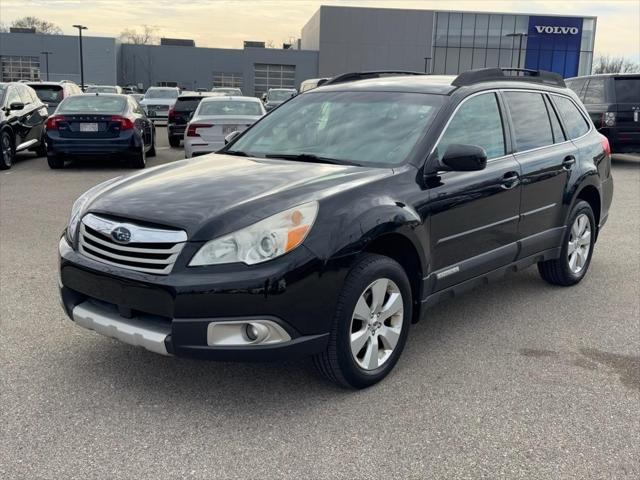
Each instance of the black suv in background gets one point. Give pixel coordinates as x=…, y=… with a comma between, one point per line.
x=331, y=224
x=22, y=118
x=613, y=103
x=180, y=114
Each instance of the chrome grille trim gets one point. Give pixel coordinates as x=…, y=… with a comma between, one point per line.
x=157, y=253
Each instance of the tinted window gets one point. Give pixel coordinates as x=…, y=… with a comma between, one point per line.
x=188, y=104
x=558, y=134
x=101, y=89
x=280, y=95
x=576, y=85
x=530, y=120
x=595, y=91
x=93, y=104
x=627, y=90
x=574, y=122
x=369, y=128
x=49, y=93
x=477, y=122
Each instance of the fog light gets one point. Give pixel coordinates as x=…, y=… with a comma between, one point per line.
x=255, y=332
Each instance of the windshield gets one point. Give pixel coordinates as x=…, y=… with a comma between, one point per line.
x=232, y=107
x=161, y=94
x=92, y=104
x=627, y=90
x=367, y=128
x=48, y=93
x=279, y=95
x=101, y=89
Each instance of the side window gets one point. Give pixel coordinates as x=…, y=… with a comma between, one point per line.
x=34, y=96
x=558, y=134
x=575, y=124
x=594, y=92
x=477, y=122
x=24, y=94
x=576, y=85
x=530, y=120
x=12, y=96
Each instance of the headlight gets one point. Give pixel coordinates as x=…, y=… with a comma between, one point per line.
x=78, y=207
x=262, y=241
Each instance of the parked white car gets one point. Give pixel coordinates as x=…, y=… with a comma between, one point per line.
x=158, y=100
x=215, y=118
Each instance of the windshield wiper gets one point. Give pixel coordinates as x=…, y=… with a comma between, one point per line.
x=237, y=153
x=308, y=157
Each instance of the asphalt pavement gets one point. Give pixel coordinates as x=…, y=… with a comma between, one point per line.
x=518, y=379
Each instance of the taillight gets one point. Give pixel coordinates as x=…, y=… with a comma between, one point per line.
x=605, y=145
x=172, y=113
x=608, y=119
x=53, y=122
x=192, y=130
x=125, y=123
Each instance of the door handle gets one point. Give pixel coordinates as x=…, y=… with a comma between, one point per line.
x=568, y=162
x=510, y=180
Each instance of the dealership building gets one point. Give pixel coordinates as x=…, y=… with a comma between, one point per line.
x=333, y=41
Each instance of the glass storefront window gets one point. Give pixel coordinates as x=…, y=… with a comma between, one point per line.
x=451, y=64
x=468, y=27
x=442, y=25
x=495, y=30
x=482, y=26
x=508, y=27
x=455, y=29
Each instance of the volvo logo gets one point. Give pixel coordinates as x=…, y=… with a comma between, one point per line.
x=121, y=235
x=556, y=30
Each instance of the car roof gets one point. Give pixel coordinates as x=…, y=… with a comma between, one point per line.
x=190, y=93
x=59, y=84
x=438, y=84
x=220, y=98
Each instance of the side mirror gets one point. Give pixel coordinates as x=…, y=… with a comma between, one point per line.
x=16, y=106
x=231, y=137
x=464, y=158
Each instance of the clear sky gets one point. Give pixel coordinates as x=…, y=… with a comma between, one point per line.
x=226, y=23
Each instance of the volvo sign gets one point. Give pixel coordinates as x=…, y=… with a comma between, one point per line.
x=557, y=30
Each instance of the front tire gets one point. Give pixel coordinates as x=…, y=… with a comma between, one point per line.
x=8, y=153
x=577, y=248
x=370, y=326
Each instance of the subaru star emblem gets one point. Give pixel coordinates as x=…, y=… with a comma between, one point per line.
x=121, y=235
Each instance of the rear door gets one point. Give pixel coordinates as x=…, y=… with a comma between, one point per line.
x=474, y=215
x=547, y=159
x=33, y=115
x=627, y=99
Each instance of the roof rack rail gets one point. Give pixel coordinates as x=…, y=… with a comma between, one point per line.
x=521, y=74
x=352, y=76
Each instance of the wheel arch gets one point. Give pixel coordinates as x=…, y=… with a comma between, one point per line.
x=590, y=194
x=400, y=248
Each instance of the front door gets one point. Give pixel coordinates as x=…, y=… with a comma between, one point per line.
x=474, y=215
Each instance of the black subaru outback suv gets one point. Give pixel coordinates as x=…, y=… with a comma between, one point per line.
x=330, y=225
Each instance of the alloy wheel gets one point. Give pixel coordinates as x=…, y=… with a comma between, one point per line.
x=376, y=324
x=6, y=150
x=579, y=243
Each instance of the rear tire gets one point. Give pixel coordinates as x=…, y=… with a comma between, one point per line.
x=368, y=334
x=152, y=150
x=7, y=151
x=139, y=160
x=174, y=141
x=577, y=248
x=55, y=161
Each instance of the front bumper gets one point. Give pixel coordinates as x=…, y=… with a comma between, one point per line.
x=171, y=314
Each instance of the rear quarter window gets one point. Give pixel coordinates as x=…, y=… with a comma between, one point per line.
x=530, y=120
x=627, y=90
x=574, y=122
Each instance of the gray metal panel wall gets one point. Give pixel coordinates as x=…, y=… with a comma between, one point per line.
x=353, y=39
x=194, y=67
x=64, y=63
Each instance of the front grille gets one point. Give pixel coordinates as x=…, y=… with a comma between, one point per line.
x=148, y=249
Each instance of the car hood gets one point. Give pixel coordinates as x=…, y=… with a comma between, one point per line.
x=216, y=194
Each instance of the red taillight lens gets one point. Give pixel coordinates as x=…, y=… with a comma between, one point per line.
x=53, y=122
x=192, y=130
x=172, y=113
x=605, y=145
x=125, y=123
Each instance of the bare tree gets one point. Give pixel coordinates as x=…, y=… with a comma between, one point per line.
x=609, y=64
x=146, y=37
x=3, y=28
x=41, y=26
